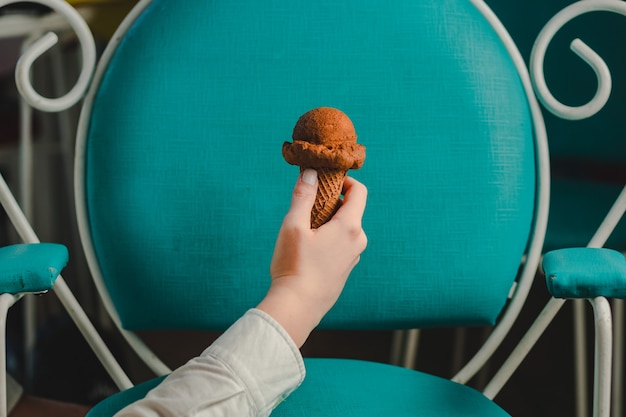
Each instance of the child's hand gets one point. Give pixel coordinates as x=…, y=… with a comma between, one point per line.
x=310, y=266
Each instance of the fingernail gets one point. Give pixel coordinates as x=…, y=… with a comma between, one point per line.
x=309, y=176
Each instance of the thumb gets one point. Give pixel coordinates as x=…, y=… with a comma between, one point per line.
x=303, y=197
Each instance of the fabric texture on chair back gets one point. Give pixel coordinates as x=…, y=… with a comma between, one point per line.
x=186, y=186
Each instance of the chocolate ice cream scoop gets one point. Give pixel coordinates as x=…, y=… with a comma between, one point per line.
x=324, y=139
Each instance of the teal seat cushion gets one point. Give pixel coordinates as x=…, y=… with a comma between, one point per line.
x=186, y=185
x=31, y=267
x=111, y=405
x=339, y=387
x=347, y=388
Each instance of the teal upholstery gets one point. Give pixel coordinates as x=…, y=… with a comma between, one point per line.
x=186, y=185
x=31, y=267
x=338, y=387
x=585, y=273
x=111, y=405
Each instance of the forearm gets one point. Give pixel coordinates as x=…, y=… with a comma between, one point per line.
x=247, y=371
x=293, y=313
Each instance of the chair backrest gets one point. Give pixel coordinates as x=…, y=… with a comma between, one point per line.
x=183, y=184
x=588, y=156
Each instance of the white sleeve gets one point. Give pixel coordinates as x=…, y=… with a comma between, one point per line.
x=247, y=371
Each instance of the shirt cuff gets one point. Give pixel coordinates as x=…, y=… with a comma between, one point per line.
x=263, y=355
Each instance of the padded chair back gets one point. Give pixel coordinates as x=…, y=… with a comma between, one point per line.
x=185, y=187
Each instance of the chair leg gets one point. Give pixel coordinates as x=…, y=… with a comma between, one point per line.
x=404, y=346
x=410, y=354
x=26, y=181
x=618, y=358
x=6, y=301
x=26, y=195
x=396, y=347
x=580, y=358
x=602, y=357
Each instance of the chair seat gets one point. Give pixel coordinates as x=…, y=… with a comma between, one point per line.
x=31, y=267
x=343, y=387
x=114, y=403
x=585, y=273
x=340, y=387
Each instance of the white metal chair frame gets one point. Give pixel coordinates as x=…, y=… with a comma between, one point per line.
x=28, y=235
x=522, y=287
x=616, y=212
x=601, y=307
x=30, y=28
x=32, y=99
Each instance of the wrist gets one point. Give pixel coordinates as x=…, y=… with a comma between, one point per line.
x=297, y=317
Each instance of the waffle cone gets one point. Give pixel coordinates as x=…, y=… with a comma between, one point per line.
x=327, y=200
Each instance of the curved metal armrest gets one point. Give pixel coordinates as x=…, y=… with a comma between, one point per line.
x=31, y=267
x=585, y=273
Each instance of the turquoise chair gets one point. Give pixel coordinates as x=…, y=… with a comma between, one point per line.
x=181, y=186
x=588, y=156
x=25, y=268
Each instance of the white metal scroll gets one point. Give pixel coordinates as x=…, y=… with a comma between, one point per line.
x=47, y=41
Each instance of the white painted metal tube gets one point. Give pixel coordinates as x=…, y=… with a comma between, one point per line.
x=617, y=397
x=66, y=297
x=581, y=377
x=6, y=301
x=533, y=257
x=523, y=347
x=599, y=67
x=611, y=220
x=91, y=335
x=40, y=46
x=143, y=351
x=26, y=197
x=602, y=357
x=553, y=306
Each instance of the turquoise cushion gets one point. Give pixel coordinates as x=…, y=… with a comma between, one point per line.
x=111, y=405
x=31, y=267
x=187, y=187
x=585, y=273
x=346, y=388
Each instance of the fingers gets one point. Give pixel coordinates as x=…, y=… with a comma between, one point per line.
x=303, y=198
x=355, y=198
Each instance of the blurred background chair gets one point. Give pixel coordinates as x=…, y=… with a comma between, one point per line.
x=33, y=268
x=25, y=269
x=33, y=144
x=588, y=154
x=37, y=148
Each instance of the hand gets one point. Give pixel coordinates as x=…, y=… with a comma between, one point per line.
x=310, y=266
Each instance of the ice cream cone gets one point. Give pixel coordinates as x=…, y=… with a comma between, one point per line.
x=328, y=198
x=324, y=139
